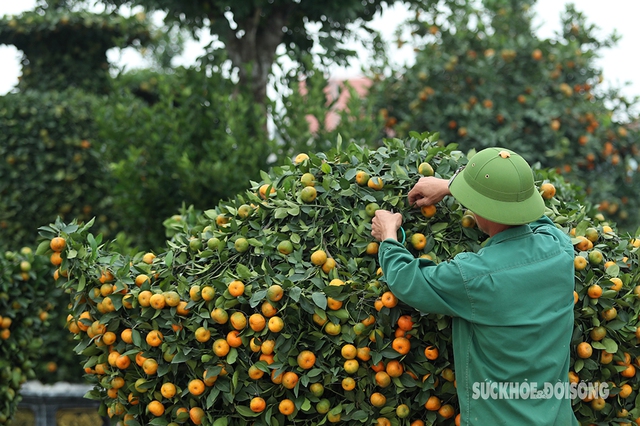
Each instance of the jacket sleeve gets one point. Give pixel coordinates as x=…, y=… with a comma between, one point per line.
x=422, y=284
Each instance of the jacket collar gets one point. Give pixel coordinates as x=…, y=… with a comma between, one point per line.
x=510, y=233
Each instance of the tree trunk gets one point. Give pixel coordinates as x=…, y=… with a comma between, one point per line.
x=253, y=53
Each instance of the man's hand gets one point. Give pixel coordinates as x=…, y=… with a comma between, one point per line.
x=428, y=191
x=385, y=225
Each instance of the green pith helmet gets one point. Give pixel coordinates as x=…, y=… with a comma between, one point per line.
x=497, y=184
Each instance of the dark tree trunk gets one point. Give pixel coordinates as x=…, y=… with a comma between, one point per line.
x=254, y=53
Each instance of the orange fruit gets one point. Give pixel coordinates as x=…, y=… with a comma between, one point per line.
x=236, y=288
x=579, y=263
x=141, y=279
x=55, y=259
x=181, y=309
x=123, y=362
x=306, y=359
x=348, y=351
x=333, y=304
x=332, y=329
x=351, y=366
x=348, y=384
x=171, y=298
x=402, y=411
x=154, y=338
x=318, y=257
x=257, y=322
x=377, y=399
x=276, y=378
x=156, y=408
x=405, y=322
x=207, y=293
x=625, y=391
x=148, y=258
x=629, y=372
x=150, y=366
x=383, y=379
x=375, y=183
x=433, y=403
x=202, y=334
x=275, y=293
x=168, y=390
x=448, y=375
x=401, y=345
x=268, y=346
x=389, y=300
x=255, y=373
x=221, y=347
x=233, y=339
x=196, y=415
x=220, y=316
x=290, y=379
x=394, y=368
x=308, y=194
x=195, y=293
x=428, y=212
x=257, y=404
x=446, y=411
x=363, y=353
x=263, y=190
x=157, y=301
x=329, y=265
x=109, y=338
x=276, y=324
x=57, y=244
x=144, y=298
x=267, y=309
x=286, y=407
x=617, y=283
x=127, y=335
x=548, y=190
x=594, y=291
x=372, y=248
x=584, y=350
x=418, y=241
x=196, y=387
x=238, y=320
x=362, y=177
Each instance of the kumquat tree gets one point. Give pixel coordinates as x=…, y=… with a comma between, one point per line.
x=271, y=308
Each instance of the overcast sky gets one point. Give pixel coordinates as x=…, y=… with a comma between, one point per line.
x=620, y=64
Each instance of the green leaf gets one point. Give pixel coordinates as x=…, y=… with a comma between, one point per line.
x=243, y=271
x=246, y=411
x=294, y=293
x=319, y=299
x=610, y=345
x=43, y=247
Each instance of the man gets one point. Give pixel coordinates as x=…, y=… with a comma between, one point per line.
x=511, y=303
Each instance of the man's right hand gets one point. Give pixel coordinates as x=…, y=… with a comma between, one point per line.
x=428, y=191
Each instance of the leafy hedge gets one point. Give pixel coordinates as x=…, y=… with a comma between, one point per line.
x=52, y=165
x=177, y=308
x=24, y=311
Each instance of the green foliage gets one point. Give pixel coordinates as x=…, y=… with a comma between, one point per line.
x=188, y=137
x=25, y=284
x=484, y=78
x=51, y=163
x=69, y=47
x=206, y=249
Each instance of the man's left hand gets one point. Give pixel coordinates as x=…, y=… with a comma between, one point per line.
x=385, y=225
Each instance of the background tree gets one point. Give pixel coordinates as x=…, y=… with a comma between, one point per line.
x=251, y=32
x=482, y=77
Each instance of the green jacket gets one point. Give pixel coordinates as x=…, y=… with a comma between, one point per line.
x=512, y=309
